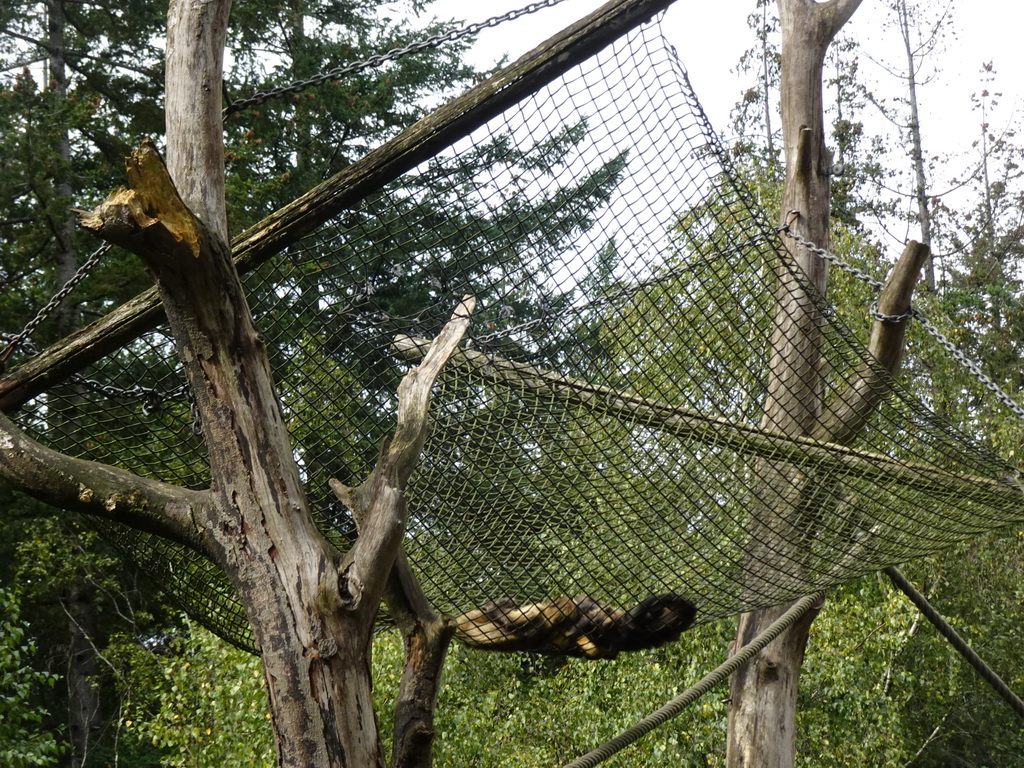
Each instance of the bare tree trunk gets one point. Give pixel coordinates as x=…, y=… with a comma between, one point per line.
x=196, y=32
x=924, y=218
x=311, y=610
x=85, y=715
x=766, y=85
x=762, y=714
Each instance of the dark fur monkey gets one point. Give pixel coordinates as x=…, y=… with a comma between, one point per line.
x=575, y=626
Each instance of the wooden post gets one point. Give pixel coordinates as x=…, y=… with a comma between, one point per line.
x=762, y=711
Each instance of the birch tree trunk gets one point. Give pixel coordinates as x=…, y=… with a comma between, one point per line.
x=762, y=712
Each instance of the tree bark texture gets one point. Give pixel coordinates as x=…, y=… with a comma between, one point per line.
x=196, y=32
x=762, y=713
x=427, y=636
x=311, y=608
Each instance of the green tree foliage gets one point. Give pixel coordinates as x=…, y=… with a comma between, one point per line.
x=979, y=305
x=879, y=688
x=195, y=700
x=24, y=740
x=76, y=596
x=980, y=244
x=112, y=100
x=276, y=151
x=78, y=88
x=317, y=132
x=876, y=683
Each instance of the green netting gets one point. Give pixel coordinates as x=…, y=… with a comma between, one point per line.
x=601, y=436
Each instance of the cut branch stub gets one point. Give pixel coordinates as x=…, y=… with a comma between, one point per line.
x=148, y=218
x=850, y=410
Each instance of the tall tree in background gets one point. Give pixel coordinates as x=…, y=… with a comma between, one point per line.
x=983, y=291
x=922, y=34
x=50, y=111
x=754, y=117
x=762, y=713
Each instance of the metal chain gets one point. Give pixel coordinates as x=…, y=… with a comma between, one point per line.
x=831, y=258
x=970, y=365
x=935, y=333
x=394, y=54
x=152, y=399
x=890, y=318
x=54, y=302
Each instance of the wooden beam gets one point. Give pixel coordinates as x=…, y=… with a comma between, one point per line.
x=419, y=142
x=803, y=452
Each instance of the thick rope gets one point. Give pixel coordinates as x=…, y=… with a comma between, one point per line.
x=956, y=641
x=687, y=697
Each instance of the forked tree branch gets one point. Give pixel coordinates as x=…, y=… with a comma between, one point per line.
x=839, y=12
x=378, y=504
x=380, y=511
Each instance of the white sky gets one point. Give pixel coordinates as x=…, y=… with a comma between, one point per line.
x=711, y=36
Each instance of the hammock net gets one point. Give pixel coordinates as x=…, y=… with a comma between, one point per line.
x=602, y=432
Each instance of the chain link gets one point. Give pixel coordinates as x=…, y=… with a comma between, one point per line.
x=394, y=54
x=935, y=333
x=890, y=318
x=53, y=303
x=970, y=365
x=831, y=258
x=152, y=399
